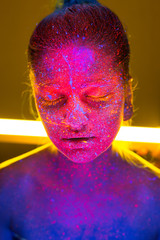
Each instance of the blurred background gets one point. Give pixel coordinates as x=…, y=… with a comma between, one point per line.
x=18, y=19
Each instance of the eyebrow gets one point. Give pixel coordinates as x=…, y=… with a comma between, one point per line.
x=94, y=81
x=86, y=84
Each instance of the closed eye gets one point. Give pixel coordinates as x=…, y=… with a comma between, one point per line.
x=96, y=96
x=50, y=103
x=105, y=97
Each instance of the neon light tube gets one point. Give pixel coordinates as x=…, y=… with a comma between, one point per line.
x=23, y=129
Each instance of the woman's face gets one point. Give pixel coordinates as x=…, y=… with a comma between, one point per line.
x=79, y=94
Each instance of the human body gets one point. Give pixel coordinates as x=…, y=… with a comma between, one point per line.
x=83, y=190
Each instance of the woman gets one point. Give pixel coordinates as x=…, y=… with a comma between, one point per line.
x=78, y=59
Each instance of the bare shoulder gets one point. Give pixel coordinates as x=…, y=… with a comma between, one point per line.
x=147, y=189
x=153, y=197
x=16, y=181
x=24, y=162
x=150, y=176
x=22, y=170
x=139, y=177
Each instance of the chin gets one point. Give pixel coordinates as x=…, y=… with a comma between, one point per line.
x=85, y=152
x=80, y=155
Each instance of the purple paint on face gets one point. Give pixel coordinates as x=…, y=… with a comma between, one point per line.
x=80, y=98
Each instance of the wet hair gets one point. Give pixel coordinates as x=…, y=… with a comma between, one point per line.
x=84, y=22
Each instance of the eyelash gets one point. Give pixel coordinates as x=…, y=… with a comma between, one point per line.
x=103, y=98
x=46, y=103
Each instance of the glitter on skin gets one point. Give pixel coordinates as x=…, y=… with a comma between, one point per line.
x=88, y=97
x=85, y=192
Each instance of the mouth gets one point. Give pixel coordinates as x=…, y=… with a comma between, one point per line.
x=78, y=143
x=77, y=139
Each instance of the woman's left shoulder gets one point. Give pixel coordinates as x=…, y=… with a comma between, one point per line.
x=142, y=172
x=154, y=187
x=153, y=197
x=145, y=180
x=151, y=180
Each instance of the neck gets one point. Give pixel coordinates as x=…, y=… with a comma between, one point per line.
x=86, y=174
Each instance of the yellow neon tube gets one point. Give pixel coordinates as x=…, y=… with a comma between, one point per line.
x=27, y=131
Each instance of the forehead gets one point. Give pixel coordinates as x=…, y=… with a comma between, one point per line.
x=74, y=62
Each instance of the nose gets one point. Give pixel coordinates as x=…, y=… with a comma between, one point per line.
x=76, y=117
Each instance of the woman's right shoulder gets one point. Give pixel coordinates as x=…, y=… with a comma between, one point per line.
x=17, y=177
x=16, y=170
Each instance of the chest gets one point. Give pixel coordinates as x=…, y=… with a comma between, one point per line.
x=62, y=214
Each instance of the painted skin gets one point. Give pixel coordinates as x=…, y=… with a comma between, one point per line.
x=48, y=204
x=84, y=192
x=79, y=94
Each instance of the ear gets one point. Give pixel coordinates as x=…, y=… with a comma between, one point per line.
x=128, y=103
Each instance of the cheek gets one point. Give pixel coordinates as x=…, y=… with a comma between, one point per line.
x=51, y=119
x=49, y=115
x=109, y=120
x=51, y=122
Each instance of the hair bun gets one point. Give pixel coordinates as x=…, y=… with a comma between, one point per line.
x=67, y=3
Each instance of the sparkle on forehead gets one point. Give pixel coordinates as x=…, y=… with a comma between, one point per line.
x=78, y=59
x=74, y=62
x=71, y=81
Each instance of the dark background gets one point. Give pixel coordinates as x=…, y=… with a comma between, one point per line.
x=18, y=19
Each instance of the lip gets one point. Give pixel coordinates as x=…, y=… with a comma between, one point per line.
x=78, y=142
x=77, y=138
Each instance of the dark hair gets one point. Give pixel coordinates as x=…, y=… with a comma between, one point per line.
x=84, y=22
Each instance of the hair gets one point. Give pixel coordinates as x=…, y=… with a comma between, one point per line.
x=86, y=22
